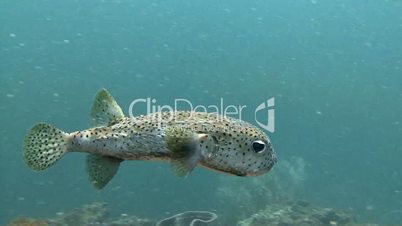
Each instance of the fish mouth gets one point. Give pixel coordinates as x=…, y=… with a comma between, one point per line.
x=242, y=173
x=265, y=170
x=274, y=159
x=231, y=171
x=260, y=172
x=256, y=174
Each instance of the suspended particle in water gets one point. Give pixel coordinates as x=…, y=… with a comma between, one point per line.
x=226, y=10
x=369, y=207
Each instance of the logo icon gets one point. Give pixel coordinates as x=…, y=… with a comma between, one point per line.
x=268, y=106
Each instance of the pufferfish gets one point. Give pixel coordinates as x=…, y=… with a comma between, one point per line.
x=185, y=138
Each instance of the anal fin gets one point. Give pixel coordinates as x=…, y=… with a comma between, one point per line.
x=101, y=169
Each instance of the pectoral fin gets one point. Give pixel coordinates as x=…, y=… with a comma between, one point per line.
x=101, y=169
x=186, y=152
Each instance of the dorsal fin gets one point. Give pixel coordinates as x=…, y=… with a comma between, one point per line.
x=105, y=109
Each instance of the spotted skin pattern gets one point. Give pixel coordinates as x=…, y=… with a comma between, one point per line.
x=226, y=147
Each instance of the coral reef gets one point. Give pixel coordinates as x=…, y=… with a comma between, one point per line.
x=25, y=221
x=92, y=214
x=261, y=201
x=291, y=214
x=96, y=214
x=300, y=214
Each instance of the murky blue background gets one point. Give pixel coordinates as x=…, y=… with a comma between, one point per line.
x=334, y=68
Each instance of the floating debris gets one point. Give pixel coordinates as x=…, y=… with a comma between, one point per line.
x=189, y=218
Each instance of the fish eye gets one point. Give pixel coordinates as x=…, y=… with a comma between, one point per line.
x=259, y=146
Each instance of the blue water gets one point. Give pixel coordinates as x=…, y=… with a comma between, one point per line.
x=334, y=68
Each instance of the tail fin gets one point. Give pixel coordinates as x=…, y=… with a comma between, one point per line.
x=43, y=146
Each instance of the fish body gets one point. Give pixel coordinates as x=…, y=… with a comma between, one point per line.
x=185, y=138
